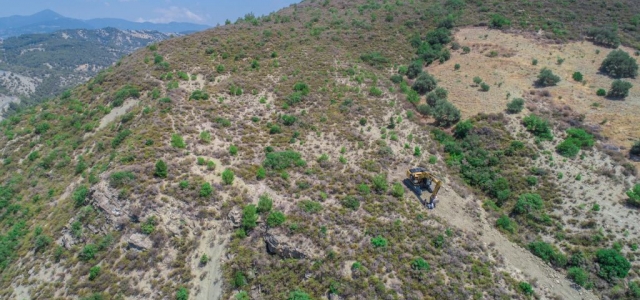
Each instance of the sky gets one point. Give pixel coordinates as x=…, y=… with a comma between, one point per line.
x=209, y=12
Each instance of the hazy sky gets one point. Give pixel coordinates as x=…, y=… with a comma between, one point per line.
x=209, y=12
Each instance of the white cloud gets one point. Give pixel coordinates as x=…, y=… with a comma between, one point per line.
x=174, y=14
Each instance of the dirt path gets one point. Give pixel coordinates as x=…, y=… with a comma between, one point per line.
x=213, y=245
x=519, y=262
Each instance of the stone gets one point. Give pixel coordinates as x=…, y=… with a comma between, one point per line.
x=140, y=242
x=281, y=245
x=235, y=217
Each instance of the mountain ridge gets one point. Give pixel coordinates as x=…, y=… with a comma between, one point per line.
x=48, y=20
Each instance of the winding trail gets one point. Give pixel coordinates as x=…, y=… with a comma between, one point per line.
x=519, y=262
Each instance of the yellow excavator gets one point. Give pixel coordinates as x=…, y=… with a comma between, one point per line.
x=421, y=178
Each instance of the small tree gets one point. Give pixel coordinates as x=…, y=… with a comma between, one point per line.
x=634, y=196
x=414, y=69
x=528, y=203
x=79, y=195
x=612, y=264
x=547, y=78
x=420, y=264
x=424, y=83
x=445, y=113
x=182, y=294
x=605, y=36
x=619, y=89
x=477, y=80
x=161, y=169
x=249, y=217
x=228, y=177
x=276, y=219
x=206, y=190
x=515, y=106
x=635, y=149
x=577, y=76
x=619, y=64
x=264, y=204
x=261, y=173
x=499, y=21
x=485, y=87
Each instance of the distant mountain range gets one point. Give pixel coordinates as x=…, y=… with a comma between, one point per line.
x=34, y=67
x=48, y=21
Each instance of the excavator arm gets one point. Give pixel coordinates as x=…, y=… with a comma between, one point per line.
x=420, y=177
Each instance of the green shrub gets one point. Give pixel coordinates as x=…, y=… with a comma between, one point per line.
x=42, y=128
x=619, y=89
x=634, y=290
x=396, y=78
x=309, y=206
x=578, y=275
x=79, y=195
x=612, y=264
x=88, y=252
x=601, y=92
x=182, y=294
x=242, y=295
x=275, y=129
x=379, y=242
x=499, y=21
x=605, y=36
x=374, y=59
x=577, y=76
x=233, y=150
x=547, y=253
x=276, y=219
x=634, y=196
x=350, y=202
x=380, y=183
x=42, y=241
x=397, y=190
x=505, y=223
x=414, y=69
x=199, y=95
x=568, y=148
x=288, y=120
x=485, y=87
x=532, y=180
x=177, y=141
x=298, y=295
x=94, y=272
x=117, y=179
x=436, y=95
x=547, y=78
x=635, y=149
x=264, y=204
x=525, y=288
x=445, y=113
x=249, y=217
x=282, y=160
x=577, y=138
x=538, y=127
x=149, y=225
x=227, y=177
x=528, y=203
x=456, y=67
x=375, y=91
x=619, y=64
x=420, y=264
x=477, y=80
x=261, y=173
x=424, y=83
x=515, y=106
x=161, y=169
x=462, y=129
x=433, y=159
x=206, y=190
x=124, y=93
x=120, y=138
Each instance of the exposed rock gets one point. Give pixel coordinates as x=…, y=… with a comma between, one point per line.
x=106, y=200
x=235, y=217
x=66, y=240
x=140, y=242
x=611, y=147
x=280, y=245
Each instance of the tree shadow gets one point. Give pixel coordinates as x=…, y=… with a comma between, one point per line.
x=417, y=191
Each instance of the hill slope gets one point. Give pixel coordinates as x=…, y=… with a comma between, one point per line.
x=266, y=159
x=40, y=66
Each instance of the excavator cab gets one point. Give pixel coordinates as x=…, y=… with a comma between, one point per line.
x=420, y=178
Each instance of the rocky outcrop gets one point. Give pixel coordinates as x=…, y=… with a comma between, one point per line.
x=235, y=217
x=282, y=246
x=140, y=242
x=117, y=211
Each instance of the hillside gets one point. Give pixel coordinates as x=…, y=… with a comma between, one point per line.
x=266, y=160
x=39, y=66
x=48, y=21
